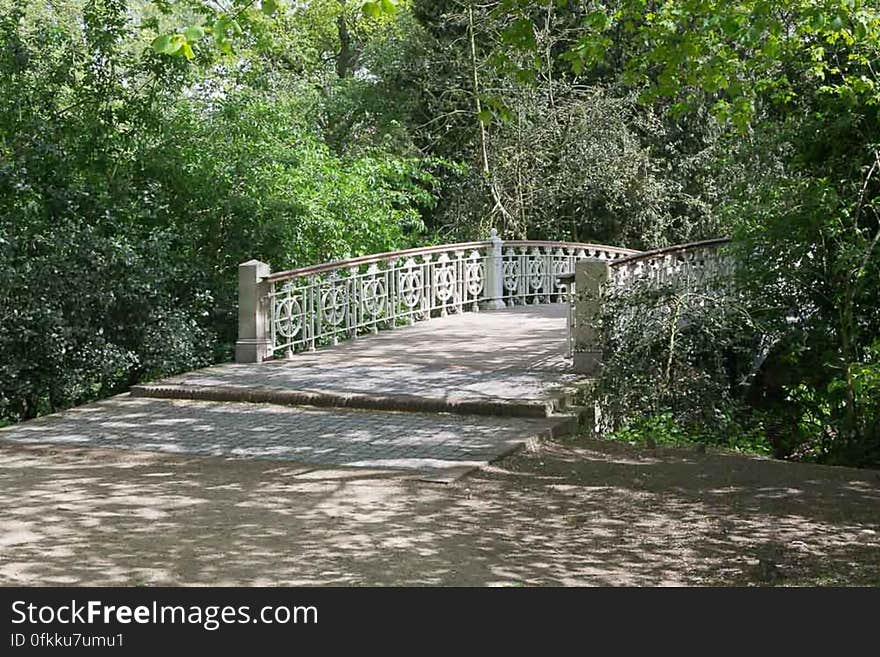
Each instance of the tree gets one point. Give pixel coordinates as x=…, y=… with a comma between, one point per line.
x=132, y=183
x=548, y=153
x=796, y=80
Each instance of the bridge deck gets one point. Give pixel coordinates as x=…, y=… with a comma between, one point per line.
x=504, y=362
x=462, y=378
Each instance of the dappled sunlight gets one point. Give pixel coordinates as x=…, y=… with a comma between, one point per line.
x=511, y=356
x=306, y=435
x=521, y=336
x=555, y=516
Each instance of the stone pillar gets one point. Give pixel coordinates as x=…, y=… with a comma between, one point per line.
x=590, y=276
x=494, y=274
x=253, y=332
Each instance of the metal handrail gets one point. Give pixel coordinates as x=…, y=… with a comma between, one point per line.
x=571, y=245
x=669, y=250
x=440, y=248
x=371, y=259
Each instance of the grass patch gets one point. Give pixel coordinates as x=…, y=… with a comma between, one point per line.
x=662, y=430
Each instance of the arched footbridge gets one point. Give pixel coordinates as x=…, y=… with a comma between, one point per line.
x=433, y=360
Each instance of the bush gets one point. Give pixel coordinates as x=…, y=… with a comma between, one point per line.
x=812, y=411
x=132, y=185
x=745, y=433
x=85, y=315
x=676, y=366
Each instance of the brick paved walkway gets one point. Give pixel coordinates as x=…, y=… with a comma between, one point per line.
x=498, y=365
x=307, y=435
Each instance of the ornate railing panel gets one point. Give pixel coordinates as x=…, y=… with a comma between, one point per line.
x=305, y=308
x=531, y=269
x=322, y=305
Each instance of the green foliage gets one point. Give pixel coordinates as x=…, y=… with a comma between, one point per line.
x=660, y=429
x=94, y=296
x=132, y=184
x=234, y=25
x=86, y=315
x=819, y=412
x=677, y=356
x=677, y=368
x=663, y=429
x=271, y=189
x=549, y=155
x=809, y=228
x=730, y=54
x=586, y=167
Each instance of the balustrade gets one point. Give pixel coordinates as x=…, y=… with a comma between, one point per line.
x=302, y=309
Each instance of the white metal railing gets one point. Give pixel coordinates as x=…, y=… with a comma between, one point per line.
x=302, y=309
x=692, y=265
x=698, y=267
x=324, y=304
x=531, y=269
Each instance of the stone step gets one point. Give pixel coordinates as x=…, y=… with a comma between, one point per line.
x=265, y=394
x=573, y=420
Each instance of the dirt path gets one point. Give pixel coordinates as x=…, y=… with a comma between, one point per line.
x=590, y=513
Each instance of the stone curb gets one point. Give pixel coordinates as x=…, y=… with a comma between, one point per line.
x=566, y=426
x=406, y=403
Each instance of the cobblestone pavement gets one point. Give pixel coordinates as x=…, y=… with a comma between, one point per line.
x=497, y=362
x=316, y=436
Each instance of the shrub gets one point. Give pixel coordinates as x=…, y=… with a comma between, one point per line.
x=676, y=365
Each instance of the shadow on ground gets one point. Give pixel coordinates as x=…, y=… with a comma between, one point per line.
x=321, y=436
x=594, y=513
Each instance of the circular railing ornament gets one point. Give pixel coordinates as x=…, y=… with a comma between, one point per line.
x=444, y=283
x=410, y=288
x=288, y=317
x=375, y=295
x=334, y=303
x=474, y=274
x=537, y=272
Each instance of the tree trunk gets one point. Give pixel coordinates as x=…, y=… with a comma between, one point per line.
x=349, y=50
